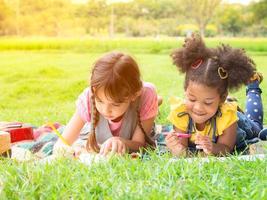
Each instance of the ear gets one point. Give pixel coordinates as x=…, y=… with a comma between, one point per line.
x=136, y=95
x=93, y=89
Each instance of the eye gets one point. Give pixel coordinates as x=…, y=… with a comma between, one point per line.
x=191, y=100
x=116, y=105
x=208, y=103
x=98, y=100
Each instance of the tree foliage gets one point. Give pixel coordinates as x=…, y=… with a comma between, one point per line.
x=260, y=10
x=230, y=19
x=134, y=18
x=201, y=11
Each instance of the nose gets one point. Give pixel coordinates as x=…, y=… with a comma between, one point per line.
x=106, y=110
x=198, y=107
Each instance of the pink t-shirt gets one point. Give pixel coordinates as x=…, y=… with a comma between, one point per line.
x=148, y=108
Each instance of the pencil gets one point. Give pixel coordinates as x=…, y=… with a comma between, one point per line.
x=181, y=135
x=58, y=134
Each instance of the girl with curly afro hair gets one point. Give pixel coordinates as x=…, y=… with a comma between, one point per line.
x=214, y=125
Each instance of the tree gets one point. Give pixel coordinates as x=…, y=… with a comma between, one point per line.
x=201, y=11
x=260, y=10
x=3, y=11
x=96, y=16
x=5, y=15
x=230, y=19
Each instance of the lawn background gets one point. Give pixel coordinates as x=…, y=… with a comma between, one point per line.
x=40, y=80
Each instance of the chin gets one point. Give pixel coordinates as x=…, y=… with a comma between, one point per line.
x=114, y=118
x=199, y=120
x=108, y=117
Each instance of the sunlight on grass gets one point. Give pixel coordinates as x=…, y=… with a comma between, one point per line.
x=46, y=85
x=43, y=84
x=122, y=178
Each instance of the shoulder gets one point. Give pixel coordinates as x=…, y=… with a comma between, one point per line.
x=177, y=104
x=148, y=89
x=148, y=101
x=149, y=94
x=85, y=94
x=84, y=98
x=83, y=104
x=228, y=109
x=228, y=116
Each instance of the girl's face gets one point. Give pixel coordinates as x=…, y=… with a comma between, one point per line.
x=202, y=102
x=109, y=109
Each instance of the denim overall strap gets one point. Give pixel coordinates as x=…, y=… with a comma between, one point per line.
x=190, y=126
x=214, y=127
x=190, y=130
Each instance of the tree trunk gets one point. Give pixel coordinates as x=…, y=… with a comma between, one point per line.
x=111, y=26
x=202, y=29
x=17, y=25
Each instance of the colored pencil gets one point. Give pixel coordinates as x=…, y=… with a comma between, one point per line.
x=181, y=135
x=58, y=134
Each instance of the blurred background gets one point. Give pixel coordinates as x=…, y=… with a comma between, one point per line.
x=133, y=18
x=47, y=47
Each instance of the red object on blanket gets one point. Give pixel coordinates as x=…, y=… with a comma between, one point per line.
x=19, y=134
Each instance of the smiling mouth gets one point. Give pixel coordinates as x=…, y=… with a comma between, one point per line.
x=198, y=114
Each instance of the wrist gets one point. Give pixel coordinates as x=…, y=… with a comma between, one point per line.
x=180, y=150
x=220, y=149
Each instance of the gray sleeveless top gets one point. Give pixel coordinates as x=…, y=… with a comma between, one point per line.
x=129, y=123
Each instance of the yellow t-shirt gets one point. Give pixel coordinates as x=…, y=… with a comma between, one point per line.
x=228, y=117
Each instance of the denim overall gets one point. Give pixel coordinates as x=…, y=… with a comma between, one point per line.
x=250, y=123
x=191, y=129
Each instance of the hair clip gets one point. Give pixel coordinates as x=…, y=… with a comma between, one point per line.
x=197, y=63
x=222, y=73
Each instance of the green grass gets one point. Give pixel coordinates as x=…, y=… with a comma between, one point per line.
x=134, y=45
x=124, y=178
x=39, y=86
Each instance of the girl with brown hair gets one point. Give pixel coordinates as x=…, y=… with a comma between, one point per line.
x=119, y=107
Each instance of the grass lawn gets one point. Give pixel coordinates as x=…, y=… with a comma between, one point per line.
x=40, y=86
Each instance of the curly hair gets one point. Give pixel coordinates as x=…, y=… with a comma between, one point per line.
x=224, y=67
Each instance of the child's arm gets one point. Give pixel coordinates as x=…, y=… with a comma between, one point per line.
x=138, y=135
x=225, y=143
x=176, y=145
x=119, y=144
x=71, y=132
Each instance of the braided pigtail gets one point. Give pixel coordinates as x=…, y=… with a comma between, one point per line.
x=147, y=137
x=118, y=76
x=192, y=54
x=91, y=141
x=234, y=66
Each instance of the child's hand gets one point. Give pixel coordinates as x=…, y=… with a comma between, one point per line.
x=113, y=145
x=204, y=143
x=62, y=150
x=174, y=144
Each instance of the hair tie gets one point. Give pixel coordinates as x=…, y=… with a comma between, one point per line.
x=197, y=63
x=222, y=73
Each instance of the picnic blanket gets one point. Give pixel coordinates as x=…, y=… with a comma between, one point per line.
x=42, y=145
x=46, y=138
